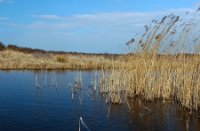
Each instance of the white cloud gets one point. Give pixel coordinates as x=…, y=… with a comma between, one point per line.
x=6, y=1
x=120, y=21
x=196, y=4
x=3, y=18
x=93, y=30
x=125, y=22
x=53, y=17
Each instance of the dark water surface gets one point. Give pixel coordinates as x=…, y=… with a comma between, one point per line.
x=43, y=101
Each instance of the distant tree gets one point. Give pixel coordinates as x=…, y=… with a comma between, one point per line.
x=12, y=47
x=2, y=46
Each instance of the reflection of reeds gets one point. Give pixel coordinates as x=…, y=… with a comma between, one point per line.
x=81, y=122
x=36, y=82
x=45, y=80
x=76, y=87
x=77, y=84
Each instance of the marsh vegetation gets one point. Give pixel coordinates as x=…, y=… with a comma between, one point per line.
x=32, y=59
x=164, y=65
x=50, y=106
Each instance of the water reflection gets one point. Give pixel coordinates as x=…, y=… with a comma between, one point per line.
x=68, y=100
x=141, y=115
x=45, y=79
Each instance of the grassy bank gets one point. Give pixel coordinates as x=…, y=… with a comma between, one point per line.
x=12, y=59
x=150, y=76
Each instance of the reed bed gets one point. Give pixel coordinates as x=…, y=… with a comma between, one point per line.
x=154, y=79
x=164, y=64
x=11, y=59
x=158, y=69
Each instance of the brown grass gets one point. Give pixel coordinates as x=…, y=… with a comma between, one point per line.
x=173, y=76
x=146, y=73
x=11, y=59
x=154, y=77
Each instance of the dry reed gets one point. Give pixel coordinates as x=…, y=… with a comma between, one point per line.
x=154, y=72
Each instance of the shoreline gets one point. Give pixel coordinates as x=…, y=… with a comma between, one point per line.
x=152, y=76
x=16, y=60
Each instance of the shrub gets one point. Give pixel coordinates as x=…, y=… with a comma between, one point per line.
x=12, y=47
x=2, y=46
x=61, y=59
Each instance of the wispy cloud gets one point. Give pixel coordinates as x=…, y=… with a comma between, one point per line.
x=3, y=18
x=1, y=1
x=50, y=17
x=124, y=22
x=112, y=21
x=114, y=28
x=196, y=4
x=6, y=1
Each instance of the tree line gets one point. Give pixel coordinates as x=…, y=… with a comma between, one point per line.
x=40, y=51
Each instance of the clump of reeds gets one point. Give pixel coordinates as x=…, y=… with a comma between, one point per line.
x=157, y=71
x=76, y=86
x=81, y=122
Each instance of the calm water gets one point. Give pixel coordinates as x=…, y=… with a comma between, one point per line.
x=43, y=101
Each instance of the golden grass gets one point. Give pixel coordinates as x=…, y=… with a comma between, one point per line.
x=10, y=59
x=150, y=76
x=154, y=77
x=146, y=74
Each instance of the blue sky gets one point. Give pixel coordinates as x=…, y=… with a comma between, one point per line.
x=81, y=25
